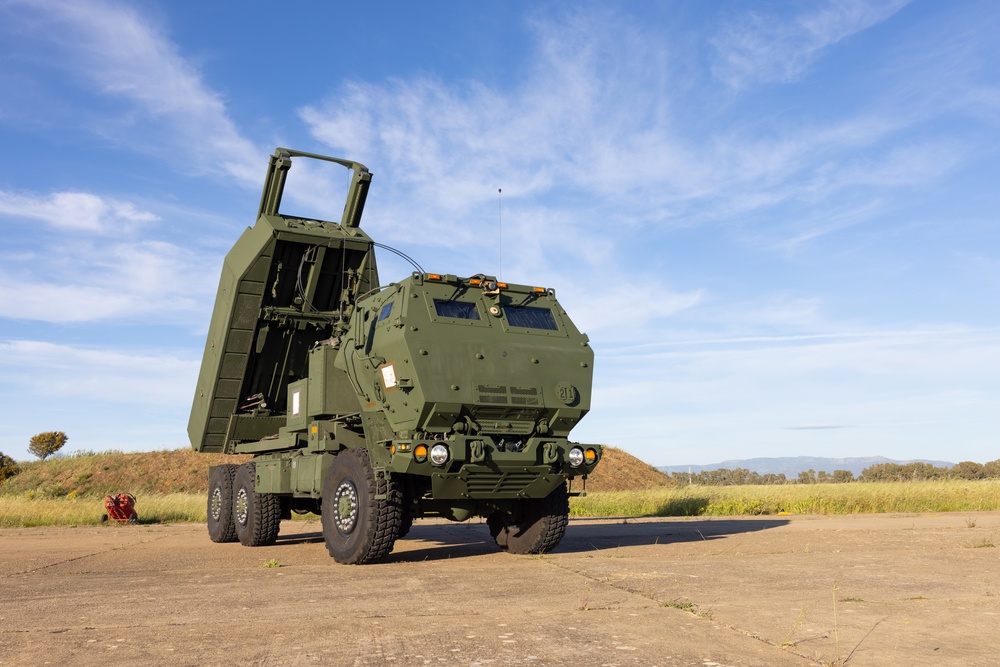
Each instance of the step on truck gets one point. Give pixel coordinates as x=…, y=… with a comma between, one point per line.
x=373, y=405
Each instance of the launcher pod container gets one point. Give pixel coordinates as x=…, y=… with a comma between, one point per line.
x=434, y=396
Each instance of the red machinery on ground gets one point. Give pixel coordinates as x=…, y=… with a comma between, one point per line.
x=121, y=508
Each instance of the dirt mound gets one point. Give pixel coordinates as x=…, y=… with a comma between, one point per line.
x=170, y=471
x=620, y=471
x=186, y=471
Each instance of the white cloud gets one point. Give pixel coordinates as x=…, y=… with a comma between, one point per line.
x=600, y=131
x=896, y=390
x=102, y=398
x=77, y=211
x=152, y=281
x=756, y=48
x=99, y=373
x=122, y=54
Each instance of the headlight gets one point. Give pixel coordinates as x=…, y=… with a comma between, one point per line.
x=440, y=454
x=575, y=457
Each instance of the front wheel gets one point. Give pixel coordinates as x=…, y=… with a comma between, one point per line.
x=257, y=516
x=358, y=528
x=220, y=504
x=542, y=525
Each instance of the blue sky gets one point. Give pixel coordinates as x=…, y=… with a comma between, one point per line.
x=778, y=222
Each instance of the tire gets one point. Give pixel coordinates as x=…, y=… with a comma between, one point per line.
x=256, y=516
x=357, y=528
x=542, y=526
x=405, y=523
x=220, y=504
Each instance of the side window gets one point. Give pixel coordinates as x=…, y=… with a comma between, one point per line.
x=530, y=318
x=462, y=310
x=385, y=312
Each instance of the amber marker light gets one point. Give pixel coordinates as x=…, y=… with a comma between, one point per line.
x=539, y=290
x=475, y=281
x=420, y=453
x=590, y=456
x=433, y=276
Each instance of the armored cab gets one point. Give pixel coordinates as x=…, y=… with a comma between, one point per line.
x=433, y=396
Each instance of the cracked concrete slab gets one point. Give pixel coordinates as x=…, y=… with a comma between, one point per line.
x=857, y=590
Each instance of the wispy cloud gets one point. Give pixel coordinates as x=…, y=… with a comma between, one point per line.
x=56, y=386
x=774, y=393
x=114, y=375
x=79, y=211
x=152, y=281
x=754, y=47
x=118, y=52
x=601, y=128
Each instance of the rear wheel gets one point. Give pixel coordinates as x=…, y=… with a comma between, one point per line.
x=257, y=516
x=357, y=528
x=220, y=504
x=542, y=525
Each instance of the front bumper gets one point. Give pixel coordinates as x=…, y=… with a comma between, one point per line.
x=478, y=469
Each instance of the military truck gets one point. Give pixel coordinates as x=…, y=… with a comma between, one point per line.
x=373, y=405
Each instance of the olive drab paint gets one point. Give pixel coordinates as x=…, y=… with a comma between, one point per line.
x=455, y=396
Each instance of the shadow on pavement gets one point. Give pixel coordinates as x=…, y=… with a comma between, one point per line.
x=440, y=541
x=629, y=533
x=300, y=538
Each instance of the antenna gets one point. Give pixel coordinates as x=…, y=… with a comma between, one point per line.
x=500, y=229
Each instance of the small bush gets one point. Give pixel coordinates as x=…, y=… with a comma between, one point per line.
x=46, y=444
x=8, y=467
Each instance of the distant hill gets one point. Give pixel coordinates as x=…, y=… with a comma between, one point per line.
x=186, y=471
x=791, y=466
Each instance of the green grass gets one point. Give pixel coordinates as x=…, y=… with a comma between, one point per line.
x=34, y=509
x=854, y=498
x=22, y=511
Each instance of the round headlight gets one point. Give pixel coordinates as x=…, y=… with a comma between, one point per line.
x=575, y=457
x=439, y=455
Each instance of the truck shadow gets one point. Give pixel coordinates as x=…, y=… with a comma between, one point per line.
x=441, y=541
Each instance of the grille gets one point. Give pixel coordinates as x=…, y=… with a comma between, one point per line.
x=506, y=426
x=498, y=394
x=487, y=483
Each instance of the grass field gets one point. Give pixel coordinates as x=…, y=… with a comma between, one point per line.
x=20, y=511
x=24, y=510
x=854, y=498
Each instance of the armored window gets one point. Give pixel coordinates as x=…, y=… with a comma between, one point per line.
x=531, y=318
x=462, y=310
x=384, y=313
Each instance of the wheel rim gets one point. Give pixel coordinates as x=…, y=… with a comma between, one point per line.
x=216, y=504
x=345, y=503
x=242, y=503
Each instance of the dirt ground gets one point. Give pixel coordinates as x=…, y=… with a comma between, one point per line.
x=855, y=590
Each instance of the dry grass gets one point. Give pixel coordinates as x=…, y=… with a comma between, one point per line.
x=170, y=486
x=855, y=498
x=22, y=512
